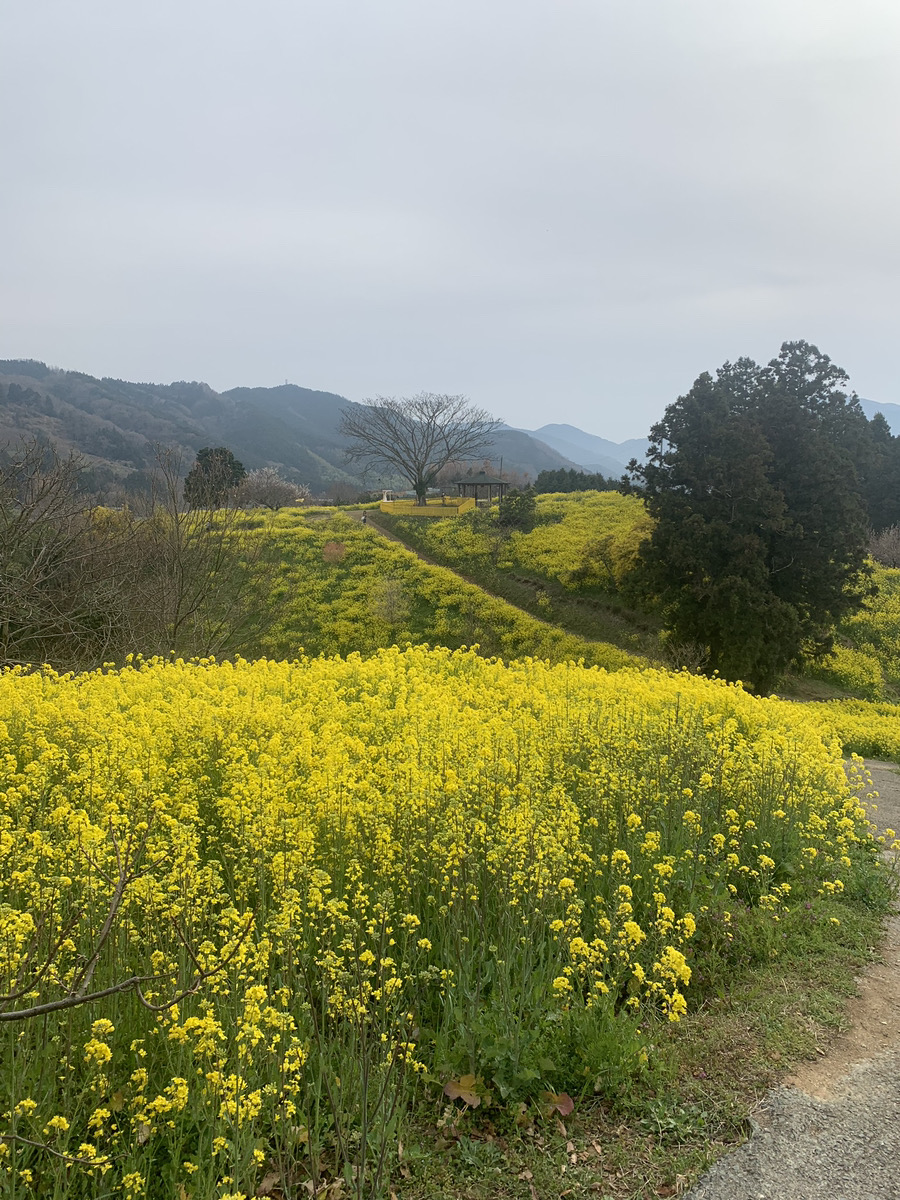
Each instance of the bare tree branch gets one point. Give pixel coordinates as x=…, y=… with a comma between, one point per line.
x=132, y=982
x=22, y=989
x=68, y=1158
x=417, y=436
x=202, y=974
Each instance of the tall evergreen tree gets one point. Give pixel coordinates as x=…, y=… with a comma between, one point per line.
x=882, y=484
x=760, y=537
x=563, y=480
x=213, y=477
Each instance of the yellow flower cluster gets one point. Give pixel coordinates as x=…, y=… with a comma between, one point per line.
x=581, y=538
x=320, y=860
x=341, y=587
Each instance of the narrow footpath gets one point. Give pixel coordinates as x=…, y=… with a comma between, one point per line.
x=832, y=1132
x=433, y=562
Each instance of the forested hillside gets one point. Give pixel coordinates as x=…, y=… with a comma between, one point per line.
x=115, y=424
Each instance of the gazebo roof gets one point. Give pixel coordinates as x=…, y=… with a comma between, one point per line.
x=480, y=477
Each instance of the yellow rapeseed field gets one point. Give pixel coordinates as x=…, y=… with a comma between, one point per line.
x=301, y=891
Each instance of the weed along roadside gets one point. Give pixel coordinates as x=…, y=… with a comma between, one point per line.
x=832, y=1128
x=420, y=923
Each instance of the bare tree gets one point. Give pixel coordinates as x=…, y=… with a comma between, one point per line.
x=205, y=582
x=66, y=567
x=81, y=584
x=266, y=488
x=884, y=546
x=416, y=436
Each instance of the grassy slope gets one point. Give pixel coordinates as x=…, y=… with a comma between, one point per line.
x=564, y=571
x=866, y=662
x=345, y=588
x=567, y=568
x=771, y=1004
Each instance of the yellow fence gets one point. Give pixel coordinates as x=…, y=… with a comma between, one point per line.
x=446, y=506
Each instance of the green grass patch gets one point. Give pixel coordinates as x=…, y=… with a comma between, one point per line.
x=665, y=1121
x=566, y=571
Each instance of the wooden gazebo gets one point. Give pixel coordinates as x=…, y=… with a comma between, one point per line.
x=481, y=486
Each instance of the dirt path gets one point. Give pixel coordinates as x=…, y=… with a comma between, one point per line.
x=433, y=562
x=873, y=1015
x=833, y=1131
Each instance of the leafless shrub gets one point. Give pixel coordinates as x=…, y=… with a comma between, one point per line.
x=685, y=656
x=267, y=489
x=389, y=602
x=66, y=567
x=884, y=547
x=81, y=584
x=204, y=585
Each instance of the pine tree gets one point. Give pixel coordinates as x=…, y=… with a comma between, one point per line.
x=882, y=488
x=212, y=478
x=760, y=537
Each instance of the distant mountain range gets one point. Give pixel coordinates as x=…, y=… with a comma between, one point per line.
x=115, y=425
x=890, y=412
x=588, y=451
x=593, y=453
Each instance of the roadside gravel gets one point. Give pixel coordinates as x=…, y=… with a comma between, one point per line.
x=833, y=1132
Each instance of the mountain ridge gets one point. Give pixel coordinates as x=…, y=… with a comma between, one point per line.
x=588, y=450
x=115, y=425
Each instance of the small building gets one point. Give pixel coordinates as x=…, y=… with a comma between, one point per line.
x=481, y=486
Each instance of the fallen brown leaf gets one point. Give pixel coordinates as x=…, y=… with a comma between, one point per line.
x=269, y=1183
x=463, y=1089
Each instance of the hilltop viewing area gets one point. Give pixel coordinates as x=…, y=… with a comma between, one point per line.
x=475, y=489
x=435, y=506
x=482, y=486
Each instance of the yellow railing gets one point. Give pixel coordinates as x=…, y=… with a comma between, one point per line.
x=446, y=506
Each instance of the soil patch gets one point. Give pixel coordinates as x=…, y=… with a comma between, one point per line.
x=873, y=1017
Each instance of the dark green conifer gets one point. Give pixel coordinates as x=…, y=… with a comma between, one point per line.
x=760, y=538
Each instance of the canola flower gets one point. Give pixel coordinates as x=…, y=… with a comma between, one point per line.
x=336, y=876
x=866, y=658
x=580, y=539
x=341, y=587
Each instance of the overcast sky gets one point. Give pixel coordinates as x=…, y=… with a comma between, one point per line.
x=566, y=209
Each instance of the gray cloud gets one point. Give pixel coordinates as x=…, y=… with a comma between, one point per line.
x=567, y=209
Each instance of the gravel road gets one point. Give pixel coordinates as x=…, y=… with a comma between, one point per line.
x=833, y=1133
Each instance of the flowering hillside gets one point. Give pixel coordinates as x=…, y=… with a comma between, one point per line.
x=866, y=660
x=300, y=892
x=341, y=587
x=581, y=539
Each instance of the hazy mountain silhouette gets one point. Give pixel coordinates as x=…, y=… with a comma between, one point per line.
x=115, y=425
